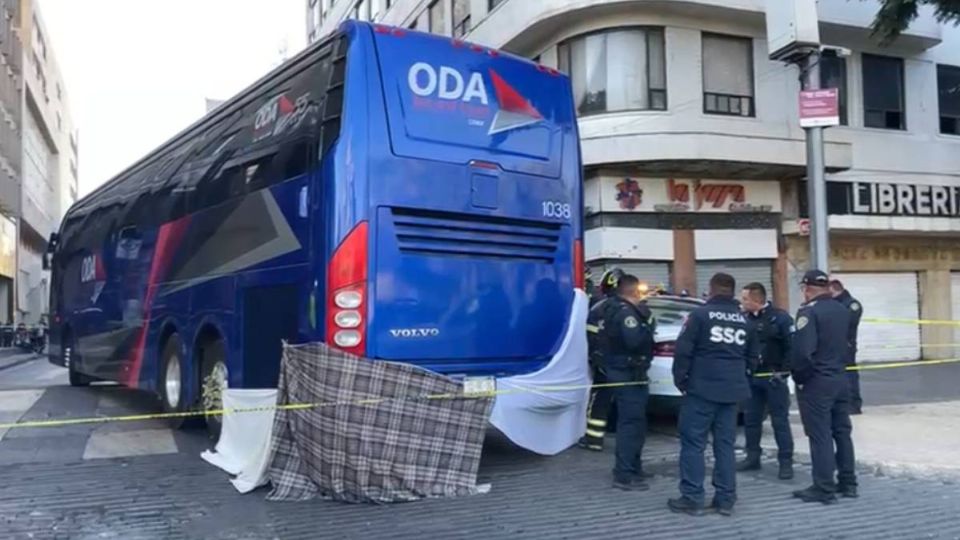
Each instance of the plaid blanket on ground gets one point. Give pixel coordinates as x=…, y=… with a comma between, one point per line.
x=396, y=450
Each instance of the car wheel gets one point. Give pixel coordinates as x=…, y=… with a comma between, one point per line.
x=214, y=384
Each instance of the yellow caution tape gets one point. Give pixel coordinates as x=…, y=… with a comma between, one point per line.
x=876, y=320
x=377, y=401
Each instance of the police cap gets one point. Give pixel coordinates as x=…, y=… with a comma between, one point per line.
x=817, y=278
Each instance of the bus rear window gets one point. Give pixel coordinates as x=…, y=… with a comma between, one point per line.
x=460, y=102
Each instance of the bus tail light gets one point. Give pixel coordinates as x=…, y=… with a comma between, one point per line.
x=347, y=293
x=579, y=273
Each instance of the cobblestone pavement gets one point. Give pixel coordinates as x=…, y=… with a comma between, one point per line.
x=141, y=480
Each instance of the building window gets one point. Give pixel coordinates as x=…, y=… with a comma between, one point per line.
x=948, y=87
x=833, y=74
x=883, y=96
x=413, y=24
x=616, y=70
x=376, y=9
x=727, y=75
x=436, y=24
x=461, y=18
x=362, y=11
x=493, y=4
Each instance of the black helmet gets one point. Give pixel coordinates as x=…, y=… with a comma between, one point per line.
x=610, y=280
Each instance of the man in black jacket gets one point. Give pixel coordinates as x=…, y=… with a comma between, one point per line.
x=714, y=351
x=627, y=353
x=769, y=389
x=818, y=363
x=843, y=296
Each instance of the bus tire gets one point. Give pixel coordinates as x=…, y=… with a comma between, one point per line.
x=213, y=383
x=173, y=383
x=69, y=357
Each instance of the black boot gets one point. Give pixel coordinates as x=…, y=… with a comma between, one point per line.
x=848, y=492
x=631, y=485
x=590, y=443
x=722, y=509
x=684, y=505
x=786, y=470
x=815, y=494
x=751, y=463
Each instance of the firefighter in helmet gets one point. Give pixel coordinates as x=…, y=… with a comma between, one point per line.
x=600, y=398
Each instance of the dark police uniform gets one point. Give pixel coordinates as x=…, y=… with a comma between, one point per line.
x=600, y=398
x=714, y=351
x=818, y=362
x=853, y=376
x=773, y=327
x=628, y=351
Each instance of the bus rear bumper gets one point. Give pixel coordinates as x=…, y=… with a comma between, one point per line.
x=545, y=411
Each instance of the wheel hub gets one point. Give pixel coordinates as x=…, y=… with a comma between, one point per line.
x=172, y=382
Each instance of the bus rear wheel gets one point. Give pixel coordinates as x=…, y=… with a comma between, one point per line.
x=173, y=383
x=214, y=384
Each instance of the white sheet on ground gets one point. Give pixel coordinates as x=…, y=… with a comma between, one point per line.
x=538, y=418
x=244, y=446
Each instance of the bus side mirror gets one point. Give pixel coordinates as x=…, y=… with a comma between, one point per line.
x=47, y=260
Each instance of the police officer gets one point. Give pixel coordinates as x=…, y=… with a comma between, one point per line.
x=773, y=327
x=600, y=398
x=856, y=312
x=818, y=362
x=628, y=351
x=714, y=352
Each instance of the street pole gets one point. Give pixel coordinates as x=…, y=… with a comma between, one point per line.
x=816, y=183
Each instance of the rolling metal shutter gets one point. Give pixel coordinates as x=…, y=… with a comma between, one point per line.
x=743, y=271
x=955, y=303
x=886, y=296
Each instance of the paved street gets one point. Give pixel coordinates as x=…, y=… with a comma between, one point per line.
x=142, y=480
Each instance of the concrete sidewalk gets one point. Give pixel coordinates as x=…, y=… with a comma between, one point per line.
x=913, y=440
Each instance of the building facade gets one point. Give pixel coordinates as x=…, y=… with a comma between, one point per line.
x=11, y=97
x=695, y=160
x=49, y=165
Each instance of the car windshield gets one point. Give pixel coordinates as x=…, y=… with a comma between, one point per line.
x=668, y=311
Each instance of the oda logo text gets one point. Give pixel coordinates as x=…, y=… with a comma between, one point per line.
x=444, y=88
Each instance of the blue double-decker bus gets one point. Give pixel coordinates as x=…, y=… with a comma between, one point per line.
x=398, y=195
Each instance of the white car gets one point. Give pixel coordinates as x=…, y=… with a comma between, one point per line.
x=670, y=312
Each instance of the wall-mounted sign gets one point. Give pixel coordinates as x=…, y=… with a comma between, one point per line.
x=887, y=199
x=626, y=194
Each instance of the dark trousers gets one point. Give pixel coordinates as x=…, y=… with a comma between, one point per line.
x=853, y=378
x=771, y=395
x=698, y=418
x=599, y=410
x=824, y=409
x=631, y=422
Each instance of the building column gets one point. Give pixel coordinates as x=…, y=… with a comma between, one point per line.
x=684, y=262
x=935, y=304
x=781, y=281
